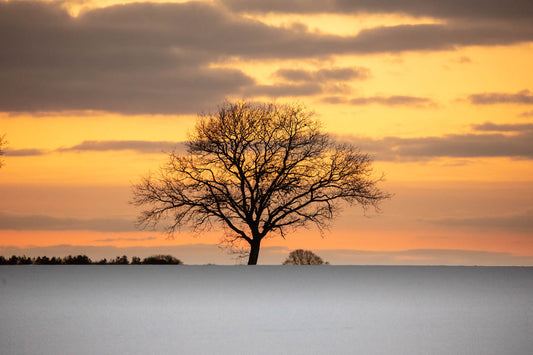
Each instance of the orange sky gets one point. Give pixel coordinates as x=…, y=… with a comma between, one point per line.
x=93, y=96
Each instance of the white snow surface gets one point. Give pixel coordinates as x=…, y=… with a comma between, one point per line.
x=145, y=309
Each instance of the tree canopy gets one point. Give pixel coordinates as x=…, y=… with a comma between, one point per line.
x=257, y=170
x=303, y=257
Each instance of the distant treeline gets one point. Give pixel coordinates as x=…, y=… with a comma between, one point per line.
x=85, y=260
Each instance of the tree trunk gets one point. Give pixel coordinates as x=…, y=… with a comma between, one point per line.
x=254, y=252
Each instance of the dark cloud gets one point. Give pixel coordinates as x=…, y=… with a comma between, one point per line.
x=138, y=146
x=394, y=100
x=24, y=152
x=511, y=223
x=515, y=10
x=522, y=97
x=157, y=58
x=39, y=222
x=454, y=145
x=323, y=75
x=493, y=127
x=426, y=37
x=129, y=59
x=284, y=90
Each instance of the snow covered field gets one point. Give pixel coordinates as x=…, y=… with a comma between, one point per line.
x=265, y=310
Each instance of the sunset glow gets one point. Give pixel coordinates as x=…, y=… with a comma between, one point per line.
x=95, y=94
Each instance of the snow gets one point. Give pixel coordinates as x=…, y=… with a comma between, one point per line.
x=265, y=310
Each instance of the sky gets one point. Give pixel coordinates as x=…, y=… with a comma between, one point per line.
x=95, y=94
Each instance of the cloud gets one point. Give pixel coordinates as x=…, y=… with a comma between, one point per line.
x=527, y=114
x=334, y=100
x=522, y=97
x=40, y=222
x=158, y=58
x=24, y=152
x=516, y=223
x=394, y=100
x=129, y=59
x=517, y=145
x=427, y=37
x=143, y=147
x=323, y=75
x=493, y=127
x=146, y=147
x=515, y=10
x=284, y=90
x=303, y=82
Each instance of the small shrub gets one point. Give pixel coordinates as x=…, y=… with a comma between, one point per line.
x=303, y=257
x=162, y=260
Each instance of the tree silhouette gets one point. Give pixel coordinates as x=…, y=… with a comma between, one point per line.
x=162, y=260
x=18, y=260
x=13, y=260
x=120, y=260
x=77, y=260
x=257, y=170
x=303, y=257
x=42, y=260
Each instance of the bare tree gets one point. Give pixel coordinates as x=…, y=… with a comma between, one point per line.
x=257, y=170
x=303, y=257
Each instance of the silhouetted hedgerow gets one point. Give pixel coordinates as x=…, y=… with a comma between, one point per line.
x=162, y=259
x=85, y=260
x=120, y=260
x=77, y=260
